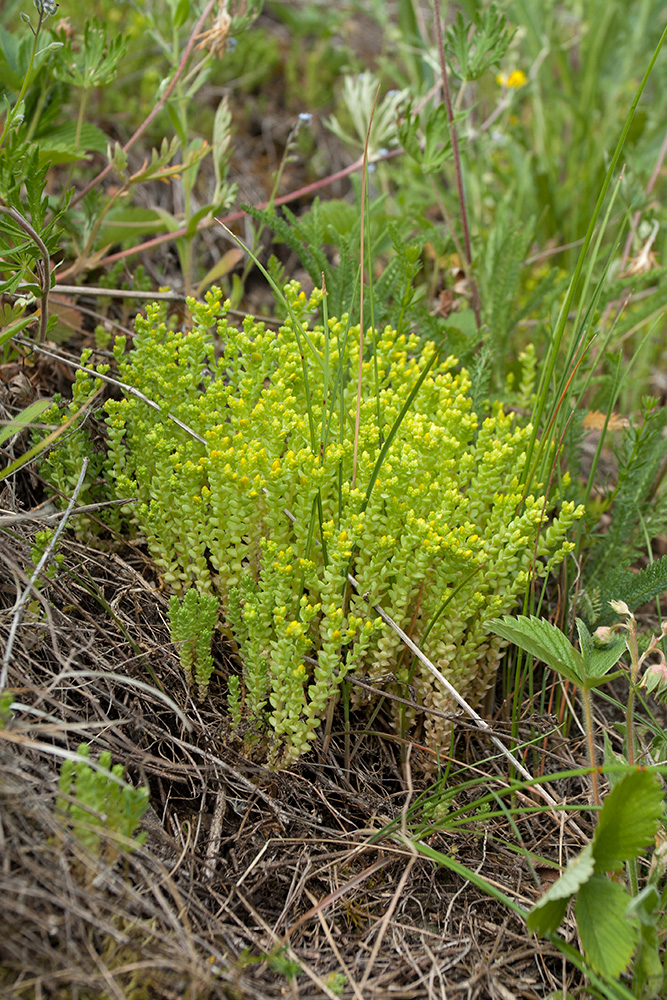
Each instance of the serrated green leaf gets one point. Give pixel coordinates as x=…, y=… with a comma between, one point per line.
x=543, y=641
x=607, y=931
x=628, y=821
x=548, y=912
x=436, y=139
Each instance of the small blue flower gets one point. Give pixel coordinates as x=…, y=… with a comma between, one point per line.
x=305, y=117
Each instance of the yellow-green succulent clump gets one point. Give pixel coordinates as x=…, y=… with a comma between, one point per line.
x=444, y=540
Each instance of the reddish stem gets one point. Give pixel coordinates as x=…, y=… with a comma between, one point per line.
x=235, y=216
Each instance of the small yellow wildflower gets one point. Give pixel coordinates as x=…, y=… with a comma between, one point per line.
x=517, y=78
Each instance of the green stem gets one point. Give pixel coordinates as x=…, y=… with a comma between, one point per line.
x=456, y=154
x=631, y=643
x=588, y=721
x=561, y=323
x=43, y=267
x=26, y=80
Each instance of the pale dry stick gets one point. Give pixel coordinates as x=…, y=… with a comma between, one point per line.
x=104, y=973
x=551, y=252
x=451, y=690
x=342, y=890
x=215, y=835
x=50, y=750
x=119, y=385
x=22, y=599
x=124, y=293
x=440, y=677
x=253, y=864
x=386, y=919
x=57, y=515
x=131, y=682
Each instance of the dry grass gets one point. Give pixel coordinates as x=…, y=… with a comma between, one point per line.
x=251, y=883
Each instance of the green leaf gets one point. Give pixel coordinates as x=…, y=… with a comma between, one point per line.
x=543, y=641
x=222, y=267
x=437, y=145
x=60, y=145
x=647, y=969
x=599, y=659
x=26, y=416
x=548, y=912
x=607, y=931
x=130, y=224
x=177, y=124
x=181, y=14
x=628, y=821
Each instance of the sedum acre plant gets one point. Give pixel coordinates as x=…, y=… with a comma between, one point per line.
x=271, y=506
x=93, y=799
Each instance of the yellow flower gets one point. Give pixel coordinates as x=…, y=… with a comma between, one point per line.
x=517, y=78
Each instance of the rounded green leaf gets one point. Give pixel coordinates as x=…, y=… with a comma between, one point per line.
x=607, y=930
x=629, y=820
